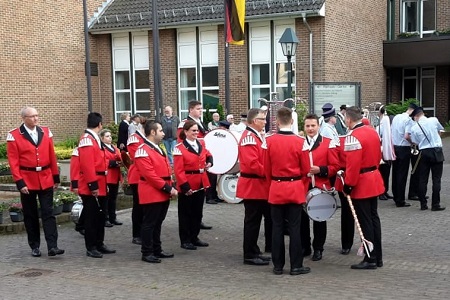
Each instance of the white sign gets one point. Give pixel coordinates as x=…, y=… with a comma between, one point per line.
x=336, y=94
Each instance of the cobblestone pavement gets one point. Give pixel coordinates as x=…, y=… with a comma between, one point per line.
x=416, y=247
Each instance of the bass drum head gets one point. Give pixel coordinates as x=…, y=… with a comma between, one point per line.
x=320, y=206
x=76, y=211
x=227, y=188
x=224, y=148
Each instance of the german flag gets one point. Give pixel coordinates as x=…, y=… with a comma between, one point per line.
x=235, y=17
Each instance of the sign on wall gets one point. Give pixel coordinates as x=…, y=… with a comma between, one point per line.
x=336, y=93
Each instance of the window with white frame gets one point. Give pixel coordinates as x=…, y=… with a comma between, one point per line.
x=268, y=65
x=131, y=80
x=420, y=84
x=418, y=16
x=198, y=67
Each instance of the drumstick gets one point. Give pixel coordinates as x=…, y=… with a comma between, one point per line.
x=313, y=181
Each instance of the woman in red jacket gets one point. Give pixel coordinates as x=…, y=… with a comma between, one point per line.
x=113, y=177
x=191, y=160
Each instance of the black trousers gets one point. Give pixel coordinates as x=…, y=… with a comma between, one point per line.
x=385, y=170
x=154, y=215
x=109, y=208
x=414, y=179
x=190, y=213
x=347, y=223
x=94, y=221
x=319, y=230
x=31, y=217
x=136, y=212
x=367, y=212
x=424, y=168
x=292, y=213
x=211, y=192
x=400, y=168
x=254, y=211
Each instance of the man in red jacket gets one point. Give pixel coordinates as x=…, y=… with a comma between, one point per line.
x=253, y=188
x=33, y=164
x=363, y=182
x=322, y=158
x=92, y=186
x=155, y=190
x=284, y=168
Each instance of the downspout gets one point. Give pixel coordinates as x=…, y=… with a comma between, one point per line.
x=310, y=60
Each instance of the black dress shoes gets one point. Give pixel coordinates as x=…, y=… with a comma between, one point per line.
x=151, y=259
x=388, y=196
x=55, y=251
x=437, y=208
x=163, y=254
x=345, y=251
x=301, y=270
x=108, y=224
x=116, y=222
x=105, y=250
x=137, y=241
x=200, y=243
x=404, y=204
x=265, y=258
x=255, y=261
x=423, y=207
x=94, y=253
x=36, y=252
x=364, y=265
x=188, y=246
x=218, y=200
x=205, y=227
x=379, y=263
x=317, y=255
x=211, y=201
x=277, y=271
x=416, y=198
x=382, y=197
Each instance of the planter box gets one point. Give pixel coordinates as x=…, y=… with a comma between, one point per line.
x=64, y=170
x=67, y=207
x=57, y=210
x=1, y=217
x=16, y=216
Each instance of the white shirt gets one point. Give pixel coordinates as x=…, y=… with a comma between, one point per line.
x=193, y=145
x=32, y=133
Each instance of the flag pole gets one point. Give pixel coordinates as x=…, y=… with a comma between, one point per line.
x=87, y=65
x=227, y=60
x=157, y=83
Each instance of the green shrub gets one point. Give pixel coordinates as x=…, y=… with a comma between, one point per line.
x=3, y=150
x=68, y=143
x=398, y=108
x=62, y=153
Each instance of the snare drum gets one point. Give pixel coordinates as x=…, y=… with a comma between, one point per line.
x=227, y=188
x=224, y=148
x=76, y=211
x=320, y=205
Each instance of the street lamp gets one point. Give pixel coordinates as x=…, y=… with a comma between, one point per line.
x=289, y=42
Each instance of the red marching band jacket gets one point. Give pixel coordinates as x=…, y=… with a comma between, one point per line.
x=93, y=166
x=133, y=143
x=33, y=166
x=190, y=166
x=325, y=155
x=284, y=168
x=155, y=181
x=252, y=183
x=113, y=159
x=74, y=169
x=338, y=185
x=363, y=152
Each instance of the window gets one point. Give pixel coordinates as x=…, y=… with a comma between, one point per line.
x=131, y=74
x=418, y=16
x=198, y=67
x=268, y=65
x=419, y=83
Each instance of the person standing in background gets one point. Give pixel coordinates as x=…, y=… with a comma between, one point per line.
x=122, y=135
x=387, y=150
x=134, y=124
x=170, y=125
x=215, y=122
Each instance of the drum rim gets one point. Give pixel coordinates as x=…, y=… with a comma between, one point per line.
x=220, y=184
x=237, y=157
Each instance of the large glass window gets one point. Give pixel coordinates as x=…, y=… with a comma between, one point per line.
x=419, y=83
x=419, y=16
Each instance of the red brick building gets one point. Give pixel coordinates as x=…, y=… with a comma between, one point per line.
x=340, y=41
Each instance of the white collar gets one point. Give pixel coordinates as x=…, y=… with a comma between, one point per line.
x=95, y=135
x=156, y=146
x=30, y=131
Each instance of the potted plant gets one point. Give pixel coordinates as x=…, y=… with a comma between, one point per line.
x=57, y=206
x=4, y=168
x=407, y=35
x=15, y=211
x=67, y=199
x=3, y=207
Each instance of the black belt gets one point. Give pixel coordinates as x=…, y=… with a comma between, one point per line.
x=194, y=172
x=248, y=175
x=366, y=170
x=103, y=173
x=163, y=178
x=36, y=169
x=295, y=178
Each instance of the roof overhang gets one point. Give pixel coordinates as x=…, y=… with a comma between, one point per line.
x=429, y=51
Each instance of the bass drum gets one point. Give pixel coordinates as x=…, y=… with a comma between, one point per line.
x=224, y=148
x=320, y=205
x=76, y=211
x=227, y=188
